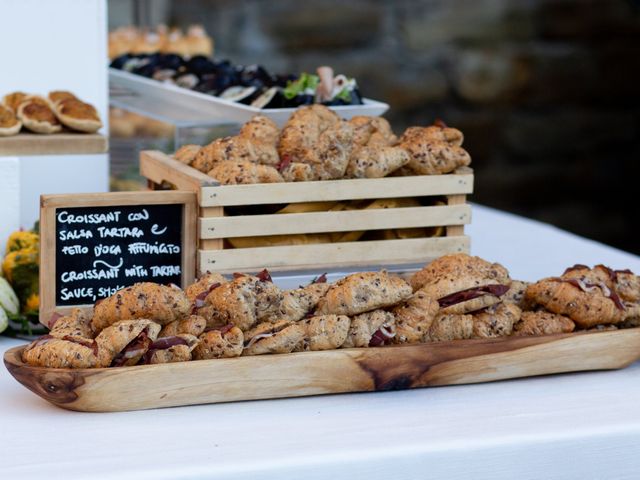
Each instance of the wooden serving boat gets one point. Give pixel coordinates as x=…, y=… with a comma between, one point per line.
x=326, y=372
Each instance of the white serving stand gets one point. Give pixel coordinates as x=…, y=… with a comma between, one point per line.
x=51, y=46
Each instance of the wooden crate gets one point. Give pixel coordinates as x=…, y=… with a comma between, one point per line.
x=214, y=223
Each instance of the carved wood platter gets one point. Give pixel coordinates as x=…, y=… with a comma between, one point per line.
x=326, y=372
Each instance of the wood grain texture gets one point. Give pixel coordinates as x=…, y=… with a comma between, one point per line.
x=331, y=255
x=344, y=189
x=160, y=167
x=339, y=221
x=26, y=144
x=317, y=373
x=458, y=229
x=205, y=242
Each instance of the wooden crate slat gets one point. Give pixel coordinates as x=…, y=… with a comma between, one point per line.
x=158, y=167
x=331, y=255
x=456, y=229
x=339, y=221
x=388, y=187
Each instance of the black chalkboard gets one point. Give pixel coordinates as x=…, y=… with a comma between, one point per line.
x=102, y=249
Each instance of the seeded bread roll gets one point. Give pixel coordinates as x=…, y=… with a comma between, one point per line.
x=496, y=321
x=279, y=337
x=434, y=150
x=240, y=172
x=234, y=149
x=376, y=161
x=125, y=342
x=261, y=129
x=52, y=352
x=244, y=302
x=187, y=153
x=203, y=285
x=225, y=342
x=324, y=332
x=363, y=292
x=192, y=325
x=297, y=303
x=462, y=283
x=75, y=324
x=315, y=135
x=588, y=296
x=370, y=329
x=447, y=327
x=171, y=349
x=414, y=318
x=542, y=323
x=142, y=300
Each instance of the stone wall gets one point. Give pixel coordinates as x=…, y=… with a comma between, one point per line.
x=546, y=91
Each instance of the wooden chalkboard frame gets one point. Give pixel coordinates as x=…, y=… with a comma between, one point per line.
x=48, y=206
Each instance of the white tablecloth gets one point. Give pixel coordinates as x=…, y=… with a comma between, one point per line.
x=582, y=426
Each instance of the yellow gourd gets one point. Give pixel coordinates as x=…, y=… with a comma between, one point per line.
x=21, y=240
x=32, y=303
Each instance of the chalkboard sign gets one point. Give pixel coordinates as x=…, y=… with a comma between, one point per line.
x=96, y=244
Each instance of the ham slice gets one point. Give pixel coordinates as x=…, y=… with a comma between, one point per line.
x=382, y=336
x=265, y=276
x=319, y=279
x=162, y=344
x=496, y=290
x=577, y=266
x=54, y=318
x=591, y=287
x=136, y=347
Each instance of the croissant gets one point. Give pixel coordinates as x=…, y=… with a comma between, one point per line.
x=231, y=172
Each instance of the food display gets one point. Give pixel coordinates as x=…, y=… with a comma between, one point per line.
x=60, y=110
x=455, y=297
x=316, y=144
x=194, y=41
x=249, y=85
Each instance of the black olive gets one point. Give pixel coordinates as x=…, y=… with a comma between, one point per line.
x=145, y=70
x=200, y=65
x=255, y=76
x=120, y=61
x=171, y=61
